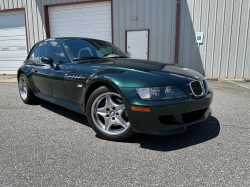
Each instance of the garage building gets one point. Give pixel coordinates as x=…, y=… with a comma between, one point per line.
x=160, y=30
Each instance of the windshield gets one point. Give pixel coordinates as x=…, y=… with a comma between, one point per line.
x=87, y=48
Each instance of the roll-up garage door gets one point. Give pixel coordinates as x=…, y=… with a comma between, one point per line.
x=13, y=49
x=89, y=20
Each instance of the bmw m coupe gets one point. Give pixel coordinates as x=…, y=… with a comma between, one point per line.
x=119, y=95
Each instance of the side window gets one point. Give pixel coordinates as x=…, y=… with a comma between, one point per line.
x=61, y=59
x=36, y=54
x=49, y=49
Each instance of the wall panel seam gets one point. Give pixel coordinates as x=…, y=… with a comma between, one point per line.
x=205, y=55
x=237, y=46
x=222, y=32
x=199, y=55
x=214, y=36
x=163, y=33
x=181, y=51
x=228, y=48
x=245, y=45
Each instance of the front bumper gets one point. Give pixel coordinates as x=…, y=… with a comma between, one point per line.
x=167, y=116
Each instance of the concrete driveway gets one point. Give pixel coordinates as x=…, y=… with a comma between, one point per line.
x=47, y=145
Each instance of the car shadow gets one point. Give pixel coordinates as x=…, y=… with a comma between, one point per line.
x=77, y=117
x=195, y=134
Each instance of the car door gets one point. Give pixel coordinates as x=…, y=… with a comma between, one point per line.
x=49, y=77
x=42, y=73
x=74, y=81
x=33, y=61
x=58, y=71
x=76, y=74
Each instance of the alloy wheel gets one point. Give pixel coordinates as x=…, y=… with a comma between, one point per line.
x=109, y=114
x=22, y=87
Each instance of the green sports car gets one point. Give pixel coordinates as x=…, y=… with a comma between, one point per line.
x=119, y=95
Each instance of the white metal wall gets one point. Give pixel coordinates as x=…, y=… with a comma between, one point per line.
x=225, y=51
x=34, y=12
x=156, y=15
x=90, y=20
x=12, y=41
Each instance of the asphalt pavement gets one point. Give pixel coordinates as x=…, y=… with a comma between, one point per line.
x=47, y=145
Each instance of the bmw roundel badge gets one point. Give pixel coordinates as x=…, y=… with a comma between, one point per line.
x=196, y=77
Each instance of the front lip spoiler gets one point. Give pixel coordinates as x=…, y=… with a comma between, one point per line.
x=183, y=128
x=169, y=132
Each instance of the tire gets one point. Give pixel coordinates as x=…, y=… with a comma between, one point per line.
x=107, y=114
x=24, y=90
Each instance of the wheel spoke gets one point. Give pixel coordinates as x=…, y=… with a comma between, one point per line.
x=24, y=84
x=120, y=121
x=110, y=103
x=108, y=123
x=120, y=108
x=103, y=114
x=103, y=109
x=21, y=83
x=107, y=103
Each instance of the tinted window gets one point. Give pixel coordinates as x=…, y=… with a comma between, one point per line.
x=61, y=59
x=36, y=54
x=89, y=47
x=80, y=48
x=49, y=49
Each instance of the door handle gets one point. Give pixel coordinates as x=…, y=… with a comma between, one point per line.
x=36, y=70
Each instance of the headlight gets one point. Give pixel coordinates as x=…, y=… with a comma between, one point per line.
x=155, y=93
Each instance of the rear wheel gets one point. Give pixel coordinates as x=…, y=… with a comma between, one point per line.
x=24, y=90
x=107, y=114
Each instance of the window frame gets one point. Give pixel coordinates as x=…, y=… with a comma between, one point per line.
x=33, y=50
x=59, y=45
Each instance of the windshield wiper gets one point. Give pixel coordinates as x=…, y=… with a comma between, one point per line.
x=119, y=57
x=89, y=57
x=114, y=56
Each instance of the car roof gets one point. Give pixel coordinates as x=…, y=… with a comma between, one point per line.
x=65, y=38
x=60, y=38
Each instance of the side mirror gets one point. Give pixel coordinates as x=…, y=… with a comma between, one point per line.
x=47, y=60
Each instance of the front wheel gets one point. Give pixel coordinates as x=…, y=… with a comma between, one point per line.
x=107, y=114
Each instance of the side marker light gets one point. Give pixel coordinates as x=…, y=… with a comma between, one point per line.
x=138, y=109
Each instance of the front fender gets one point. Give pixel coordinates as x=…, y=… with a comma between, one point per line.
x=97, y=82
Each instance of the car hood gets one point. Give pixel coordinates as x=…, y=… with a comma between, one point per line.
x=163, y=70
